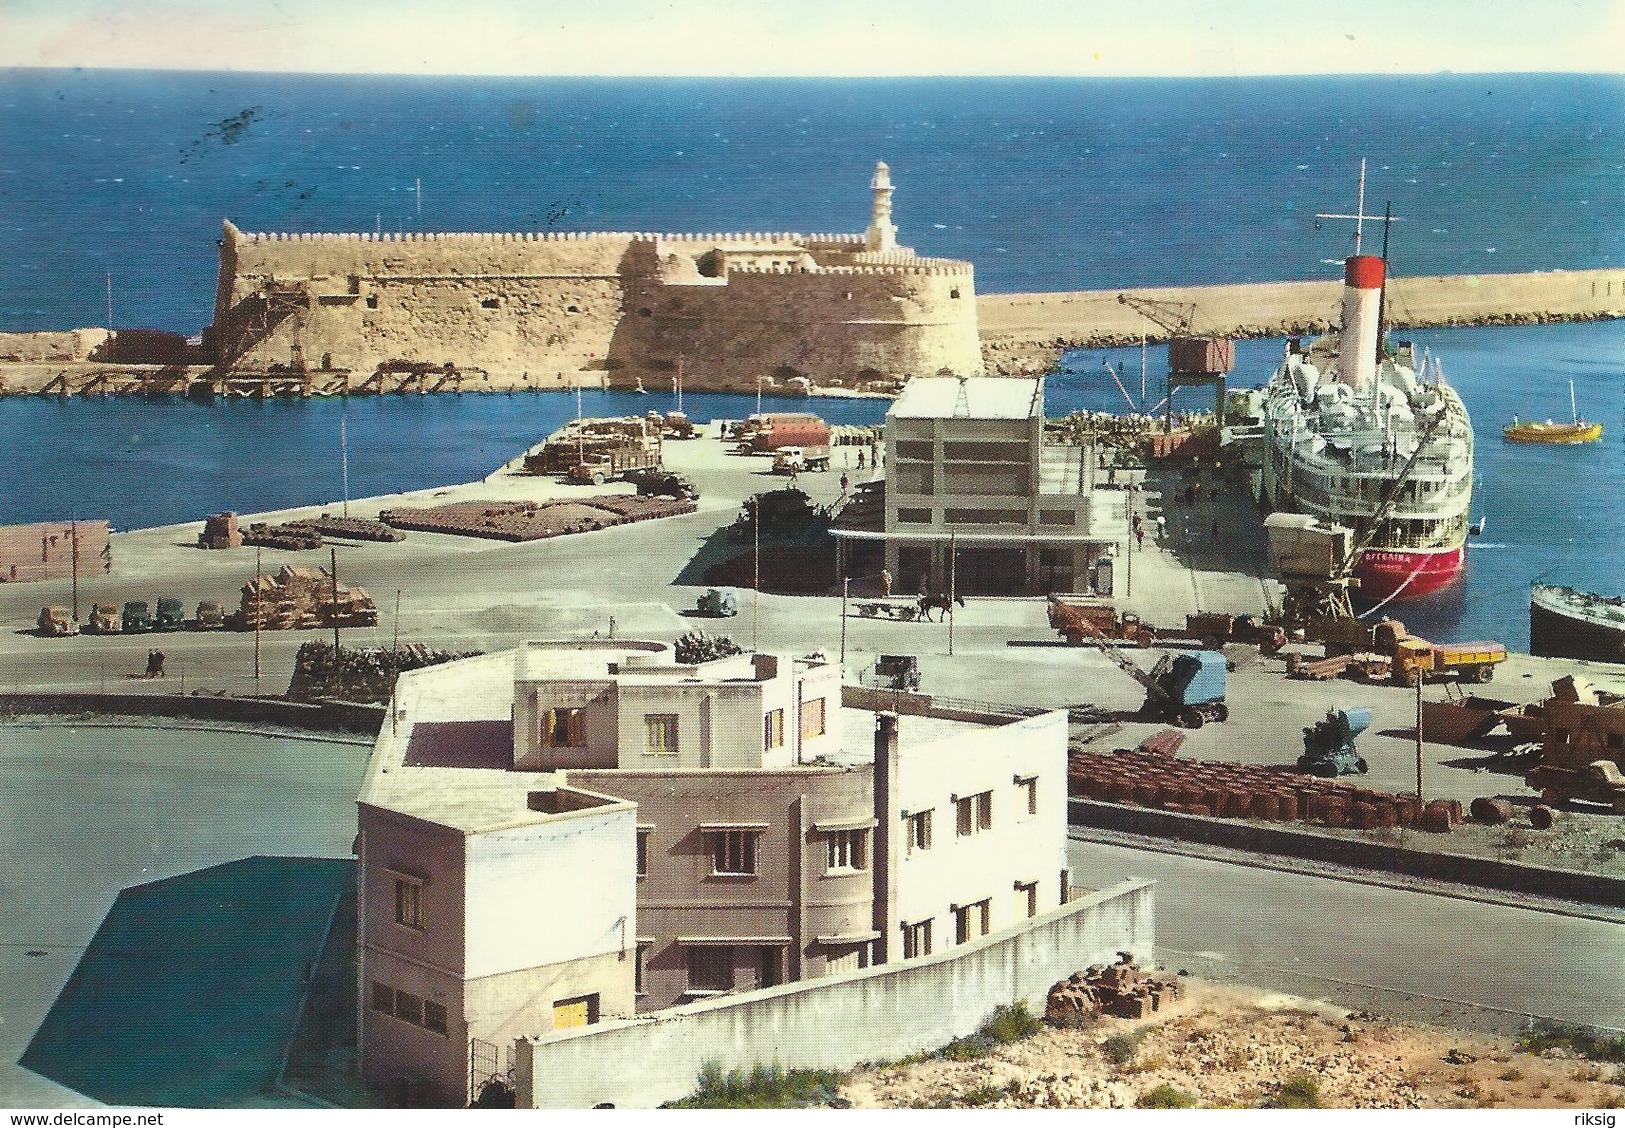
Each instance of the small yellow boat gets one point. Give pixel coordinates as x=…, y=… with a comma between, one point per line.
x=1575, y=431
x=1578, y=431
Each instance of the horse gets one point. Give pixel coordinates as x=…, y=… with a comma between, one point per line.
x=930, y=603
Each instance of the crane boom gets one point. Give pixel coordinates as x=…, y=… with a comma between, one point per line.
x=1172, y=316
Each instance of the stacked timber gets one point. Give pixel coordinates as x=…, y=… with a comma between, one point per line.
x=302, y=598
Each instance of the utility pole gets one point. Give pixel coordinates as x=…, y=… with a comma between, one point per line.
x=344, y=464
x=1419, y=679
x=756, y=582
x=334, y=576
x=396, y=647
x=259, y=617
x=846, y=590
x=953, y=590
x=74, y=536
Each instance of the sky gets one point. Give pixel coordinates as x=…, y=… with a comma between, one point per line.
x=1107, y=38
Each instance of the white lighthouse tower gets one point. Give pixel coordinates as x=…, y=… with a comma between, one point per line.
x=882, y=233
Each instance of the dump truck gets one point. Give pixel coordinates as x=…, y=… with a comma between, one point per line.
x=762, y=434
x=137, y=617
x=57, y=622
x=104, y=619
x=171, y=615
x=653, y=481
x=1415, y=659
x=1328, y=745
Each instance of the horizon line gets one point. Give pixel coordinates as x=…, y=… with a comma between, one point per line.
x=1441, y=73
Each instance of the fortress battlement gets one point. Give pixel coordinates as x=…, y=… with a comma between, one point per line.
x=556, y=308
x=257, y=237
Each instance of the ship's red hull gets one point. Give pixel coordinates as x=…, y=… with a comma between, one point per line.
x=1410, y=573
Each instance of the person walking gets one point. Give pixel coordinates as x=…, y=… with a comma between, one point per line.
x=1139, y=535
x=885, y=583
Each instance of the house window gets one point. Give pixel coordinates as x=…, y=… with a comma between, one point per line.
x=974, y=813
x=909, y=516
x=733, y=852
x=1027, y=898
x=383, y=998
x=773, y=730
x=812, y=718
x=564, y=728
x=409, y=902
x=711, y=967
x=971, y=921
x=662, y=729
x=643, y=850
x=847, y=851
x=916, y=939
x=1027, y=795
x=918, y=836
x=409, y=1008
x=434, y=1017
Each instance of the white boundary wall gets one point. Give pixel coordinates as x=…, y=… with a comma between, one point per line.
x=880, y=1014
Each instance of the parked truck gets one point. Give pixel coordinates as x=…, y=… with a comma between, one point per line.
x=171, y=615
x=762, y=434
x=1583, y=755
x=210, y=615
x=104, y=619
x=596, y=468
x=800, y=460
x=1415, y=659
x=1083, y=619
x=137, y=617
x=57, y=622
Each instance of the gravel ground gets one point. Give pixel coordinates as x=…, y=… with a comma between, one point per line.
x=1232, y=1048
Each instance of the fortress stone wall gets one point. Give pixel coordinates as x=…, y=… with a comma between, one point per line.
x=557, y=309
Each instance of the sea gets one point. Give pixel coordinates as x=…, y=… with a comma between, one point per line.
x=115, y=184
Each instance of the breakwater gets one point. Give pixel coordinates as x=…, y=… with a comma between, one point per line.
x=1022, y=333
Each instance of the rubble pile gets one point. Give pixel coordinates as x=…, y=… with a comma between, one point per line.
x=1220, y=789
x=365, y=674
x=297, y=598
x=1120, y=989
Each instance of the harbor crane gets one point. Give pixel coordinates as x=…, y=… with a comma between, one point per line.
x=1193, y=361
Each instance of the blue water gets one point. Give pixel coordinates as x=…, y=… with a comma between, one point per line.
x=1045, y=184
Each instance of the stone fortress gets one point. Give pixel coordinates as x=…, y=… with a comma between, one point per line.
x=557, y=309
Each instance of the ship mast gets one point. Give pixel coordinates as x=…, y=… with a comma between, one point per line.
x=1359, y=217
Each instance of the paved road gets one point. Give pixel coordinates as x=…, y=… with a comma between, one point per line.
x=1428, y=955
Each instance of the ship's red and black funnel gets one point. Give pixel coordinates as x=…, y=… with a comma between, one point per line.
x=1362, y=317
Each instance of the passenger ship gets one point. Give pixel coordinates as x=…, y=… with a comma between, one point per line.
x=1346, y=418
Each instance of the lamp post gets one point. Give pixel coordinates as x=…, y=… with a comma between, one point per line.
x=846, y=590
x=953, y=588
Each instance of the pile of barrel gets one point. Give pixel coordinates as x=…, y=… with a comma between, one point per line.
x=530, y=520
x=1219, y=789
